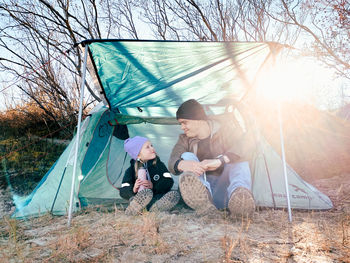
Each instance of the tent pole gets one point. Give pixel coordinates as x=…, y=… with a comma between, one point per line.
x=284, y=162
x=82, y=86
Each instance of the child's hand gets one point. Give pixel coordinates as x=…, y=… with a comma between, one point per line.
x=147, y=184
x=137, y=184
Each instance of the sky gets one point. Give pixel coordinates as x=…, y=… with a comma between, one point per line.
x=304, y=80
x=9, y=92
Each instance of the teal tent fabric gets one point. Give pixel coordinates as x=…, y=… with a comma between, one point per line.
x=164, y=74
x=268, y=188
x=100, y=138
x=53, y=192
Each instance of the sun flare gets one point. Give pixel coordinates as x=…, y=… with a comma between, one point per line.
x=292, y=80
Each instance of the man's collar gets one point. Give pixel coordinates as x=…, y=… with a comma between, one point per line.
x=214, y=127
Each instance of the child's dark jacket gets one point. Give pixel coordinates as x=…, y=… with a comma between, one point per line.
x=161, y=184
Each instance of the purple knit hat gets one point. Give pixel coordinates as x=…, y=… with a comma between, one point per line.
x=134, y=145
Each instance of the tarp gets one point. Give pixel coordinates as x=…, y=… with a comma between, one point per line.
x=166, y=73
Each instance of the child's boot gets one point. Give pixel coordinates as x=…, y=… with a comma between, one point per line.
x=139, y=202
x=166, y=202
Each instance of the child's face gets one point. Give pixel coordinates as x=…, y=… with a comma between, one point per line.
x=147, y=152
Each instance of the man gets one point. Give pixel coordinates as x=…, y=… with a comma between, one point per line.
x=212, y=157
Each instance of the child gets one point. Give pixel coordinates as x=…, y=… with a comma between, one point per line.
x=154, y=192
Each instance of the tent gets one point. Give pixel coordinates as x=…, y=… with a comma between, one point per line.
x=141, y=84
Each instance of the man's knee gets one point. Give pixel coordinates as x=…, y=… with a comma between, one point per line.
x=241, y=168
x=189, y=156
x=239, y=174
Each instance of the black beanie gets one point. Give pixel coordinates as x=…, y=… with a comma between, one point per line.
x=191, y=110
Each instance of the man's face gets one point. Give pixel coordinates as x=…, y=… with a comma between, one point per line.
x=191, y=128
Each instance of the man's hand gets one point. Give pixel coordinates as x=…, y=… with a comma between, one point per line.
x=211, y=164
x=191, y=166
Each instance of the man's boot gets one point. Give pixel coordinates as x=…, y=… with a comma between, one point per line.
x=196, y=195
x=241, y=204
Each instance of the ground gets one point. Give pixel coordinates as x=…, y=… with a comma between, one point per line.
x=107, y=235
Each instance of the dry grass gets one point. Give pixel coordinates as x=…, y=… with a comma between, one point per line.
x=30, y=119
x=98, y=235
x=178, y=237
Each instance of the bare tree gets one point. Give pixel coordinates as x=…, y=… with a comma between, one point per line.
x=324, y=27
x=232, y=20
x=36, y=44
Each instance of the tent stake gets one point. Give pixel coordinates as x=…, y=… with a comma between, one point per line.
x=284, y=161
x=82, y=86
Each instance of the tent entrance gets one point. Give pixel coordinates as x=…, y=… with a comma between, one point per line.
x=97, y=144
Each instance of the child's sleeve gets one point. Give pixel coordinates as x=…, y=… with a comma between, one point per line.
x=126, y=190
x=165, y=179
